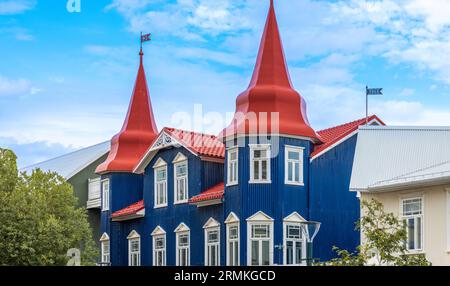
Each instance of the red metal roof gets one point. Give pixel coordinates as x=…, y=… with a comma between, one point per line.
x=138, y=131
x=213, y=193
x=201, y=144
x=270, y=92
x=332, y=135
x=130, y=210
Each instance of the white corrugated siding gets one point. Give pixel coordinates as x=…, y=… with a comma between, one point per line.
x=387, y=153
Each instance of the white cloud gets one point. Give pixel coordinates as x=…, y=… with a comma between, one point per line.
x=12, y=7
x=16, y=87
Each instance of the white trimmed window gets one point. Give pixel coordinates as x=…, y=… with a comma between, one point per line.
x=159, y=250
x=181, y=179
x=260, y=163
x=105, y=195
x=183, y=249
x=260, y=240
x=212, y=247
x=232, y=167
x=159, y=247
x=233, y=244
x=294, y=244
x=134, y=249
x=412, y=214
x=105, y=249
x=294, y=165
x=160, y=170
x=233, y=251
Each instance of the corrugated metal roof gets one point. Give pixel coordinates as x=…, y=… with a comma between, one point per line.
x=387, y=156
x=70, y=164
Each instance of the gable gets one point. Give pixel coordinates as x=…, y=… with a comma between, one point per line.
x=211, y=223
x=158, y=231
x=260, y=216
x=133, y=234
x=294, y=217
x=182, y=227
x=232, y=218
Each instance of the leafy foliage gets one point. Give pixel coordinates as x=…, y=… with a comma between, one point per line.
x=39, y=218
x=384, y=241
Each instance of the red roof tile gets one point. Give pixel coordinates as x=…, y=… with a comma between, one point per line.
x=130, y=210
x=332, y=135
x=201, y=144
x=213, y=193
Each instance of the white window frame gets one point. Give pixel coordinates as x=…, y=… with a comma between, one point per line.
x=302, y=240
x=183, y=229
x=175, y=177
x=287, y=161
x=134, y=237
x=260, y=147
x=157, y=251
x=232, y=167
x=105, y=194
x=164, y=182
x=105, y=255
x=208, y=246
x=233, y=243
x=259, y=218
x=414, y=216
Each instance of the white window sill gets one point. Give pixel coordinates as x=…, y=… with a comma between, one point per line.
x=260, y=182
x=415, y=252
x=105, y=210
x=294, y=184
x=232, y=184
x=181, y=202
x=160, y=206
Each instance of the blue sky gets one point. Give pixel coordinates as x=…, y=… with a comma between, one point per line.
x=66, y=78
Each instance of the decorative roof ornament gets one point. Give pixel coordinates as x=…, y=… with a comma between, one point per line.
x=270, y=105
x=138, y=131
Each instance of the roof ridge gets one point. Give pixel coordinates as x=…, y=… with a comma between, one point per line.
x=188, y=131
x=63, y=155
x=345, y=124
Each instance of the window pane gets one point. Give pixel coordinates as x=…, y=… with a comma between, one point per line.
x=290, y=172
x=264, y=170
x=297, y=172
x=293, y=155
x=412, y=207
x=418, y=233
x=265, y=253
x=255, y=253
x=236, y=253
x=289, y=252
x=298, y=253
x=260, y=231
x=411, y=243
x=213, y=236
x=294, y=231
x=256, y=170
x=257, y=154
x=233, y=232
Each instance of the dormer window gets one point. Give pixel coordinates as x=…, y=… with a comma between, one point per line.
x=181, y=179
x=260, y=164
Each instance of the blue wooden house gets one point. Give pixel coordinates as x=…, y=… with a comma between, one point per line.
x=182, y=198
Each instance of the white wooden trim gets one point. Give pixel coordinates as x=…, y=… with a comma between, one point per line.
x=294, y=217
x=301, y=151
x=287, y=223
x=232, y=218
x=268, y=148
x=413, y=196
x=206, y=230
x=104, y=237
x=159, y=163
x=155, y=187
x=186, y=200
x=448, y=218
x=211, y=223
x=105, y=201
x=250, y=223
x=158, y=231
x=260, y=217
x=229, y=150
x=132, y=237
x=155, y=237
x=230, y=224
x=182, y=227
x=180, y=157
x=178, y=233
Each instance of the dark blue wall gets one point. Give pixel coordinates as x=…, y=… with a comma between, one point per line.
x=332, y=203
x=276, y=199
x=202, y=175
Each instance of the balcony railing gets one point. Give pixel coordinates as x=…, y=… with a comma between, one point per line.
x=94, y=200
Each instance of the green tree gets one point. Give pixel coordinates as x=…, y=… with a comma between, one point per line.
x=39, y=218
x=384, y=241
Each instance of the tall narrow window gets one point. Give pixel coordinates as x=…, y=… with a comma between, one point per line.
x=105, y=249
x=260, y=241
x=295, y=246
x=159, y=250
x=105, y=195
x=293, y=165
x=160, y=187
x=134, y=249
x=232, y=166
x=233, y=244
x=259, y=163
x=183, y=249
x=412, y=211
x=212, y=247
x=181, y=182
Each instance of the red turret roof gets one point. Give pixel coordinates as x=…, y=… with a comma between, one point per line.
x=270, y=91
x=138, y=131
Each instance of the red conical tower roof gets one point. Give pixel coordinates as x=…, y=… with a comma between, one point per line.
x=270, y=92
x=138, y=131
